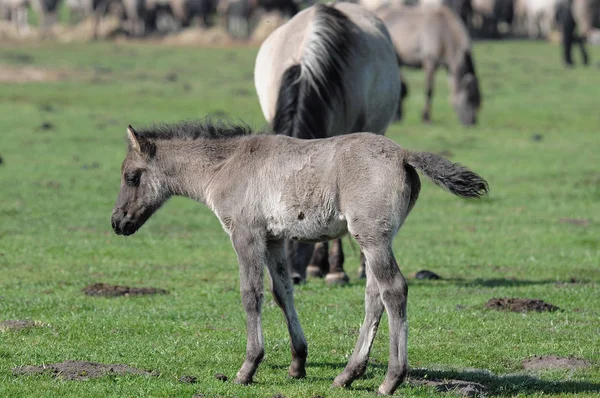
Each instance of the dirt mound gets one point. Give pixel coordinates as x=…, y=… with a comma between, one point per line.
x=103, y=289
x=461, y=387
x=554, y=362
x=188, y=379
x=583, y=222
x=16, y=325
x=26, y=74
x=79, y=370
x=519, y=305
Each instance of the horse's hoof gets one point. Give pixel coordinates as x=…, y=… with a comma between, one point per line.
x=314, y=272
x=297, y=374
x=337, y=278
x=362, y=274
x=297, y=279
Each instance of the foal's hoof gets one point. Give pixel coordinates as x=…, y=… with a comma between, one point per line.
x=243, y=380
x=337, y=278
x=313, y=271
x=341, y=382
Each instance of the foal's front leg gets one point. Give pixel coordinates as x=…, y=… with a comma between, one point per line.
x=283, y=293
x=250, y=248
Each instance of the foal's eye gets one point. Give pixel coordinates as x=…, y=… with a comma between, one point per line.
x=132, y=179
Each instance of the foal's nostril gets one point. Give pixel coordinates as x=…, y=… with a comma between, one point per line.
x=113, y=224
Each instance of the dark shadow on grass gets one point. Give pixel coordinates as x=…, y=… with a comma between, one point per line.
x=495, y=385
x=494, y=282
x=508, y=385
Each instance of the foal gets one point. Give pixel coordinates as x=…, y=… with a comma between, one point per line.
x=267, y=188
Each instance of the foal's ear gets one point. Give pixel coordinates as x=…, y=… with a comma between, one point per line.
x=133, y=139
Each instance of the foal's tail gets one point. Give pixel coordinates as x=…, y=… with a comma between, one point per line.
x=451, y=176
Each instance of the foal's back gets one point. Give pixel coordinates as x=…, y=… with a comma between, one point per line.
x=308, y=189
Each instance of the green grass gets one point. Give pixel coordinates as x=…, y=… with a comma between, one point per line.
x=58, y=186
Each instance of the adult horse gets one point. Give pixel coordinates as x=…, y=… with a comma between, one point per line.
x=330, y=70
x=429, y=37
x=580, y=14
x=265, y=188
x=463, y=8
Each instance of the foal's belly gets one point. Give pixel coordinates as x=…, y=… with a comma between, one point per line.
x=307, y=228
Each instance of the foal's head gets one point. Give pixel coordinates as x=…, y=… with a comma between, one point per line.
x=142, y=190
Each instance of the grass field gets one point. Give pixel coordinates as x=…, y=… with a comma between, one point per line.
x=536, y=236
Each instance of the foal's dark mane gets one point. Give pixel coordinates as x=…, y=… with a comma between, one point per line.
x=193, y=130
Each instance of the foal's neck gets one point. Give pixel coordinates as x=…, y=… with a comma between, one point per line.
x=189, y=165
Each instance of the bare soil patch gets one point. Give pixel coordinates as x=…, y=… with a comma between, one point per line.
x=461, y=387
x=188, y=379
x=519, y=305
x=27, y=74
x=16, y=325
x=576, y=221
x=554, y=362
x=80, y=370
x=106, y=290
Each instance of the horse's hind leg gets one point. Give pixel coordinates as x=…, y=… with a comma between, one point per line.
x=283, y=293
x=430, y=68
x=298, y=255
x=336, y=274
x=373, y=310
x=362, y=269
x=584, y=55
x=319, y=263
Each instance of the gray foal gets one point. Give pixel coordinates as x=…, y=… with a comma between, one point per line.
x=265, y=188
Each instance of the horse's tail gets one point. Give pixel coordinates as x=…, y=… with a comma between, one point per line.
x=317, y=82
x=451, y=176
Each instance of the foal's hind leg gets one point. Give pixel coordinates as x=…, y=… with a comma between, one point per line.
x=394, y=293
x=393, y=290
x=358, y=362
x=283, y=293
